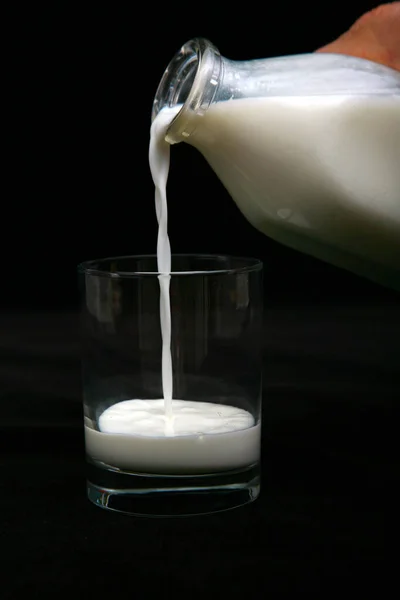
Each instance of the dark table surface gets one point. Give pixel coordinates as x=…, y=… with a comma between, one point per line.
x=327, y=514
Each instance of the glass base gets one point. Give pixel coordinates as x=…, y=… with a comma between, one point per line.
x=150, y=495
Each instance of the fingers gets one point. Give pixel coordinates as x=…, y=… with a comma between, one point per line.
x=374, y=36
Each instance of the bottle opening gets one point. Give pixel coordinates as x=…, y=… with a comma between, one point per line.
x=191, y=80
x=178, y=78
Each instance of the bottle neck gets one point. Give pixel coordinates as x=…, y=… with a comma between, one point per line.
x=191, y=81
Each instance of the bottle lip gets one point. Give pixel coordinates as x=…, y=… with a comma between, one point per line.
x=190, y=80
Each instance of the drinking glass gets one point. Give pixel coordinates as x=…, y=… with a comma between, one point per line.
x=205, y=456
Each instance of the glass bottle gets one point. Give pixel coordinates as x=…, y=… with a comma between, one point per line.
x=308, y=146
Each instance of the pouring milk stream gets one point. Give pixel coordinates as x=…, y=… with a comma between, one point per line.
x=167, y=435
x=308, y=147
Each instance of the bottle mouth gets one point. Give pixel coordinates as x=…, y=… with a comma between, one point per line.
x=191, y=81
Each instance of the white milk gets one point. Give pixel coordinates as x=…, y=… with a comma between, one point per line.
x=159, y=159
x=206, y=438
x=171, y=436
x=320, y=174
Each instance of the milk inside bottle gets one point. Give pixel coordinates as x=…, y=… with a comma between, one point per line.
x=307, y=146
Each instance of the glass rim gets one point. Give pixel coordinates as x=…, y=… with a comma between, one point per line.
x=253, y=264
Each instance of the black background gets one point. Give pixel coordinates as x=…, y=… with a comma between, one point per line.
x=77, y=186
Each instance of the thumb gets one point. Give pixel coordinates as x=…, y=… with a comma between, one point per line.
x=374, y=36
